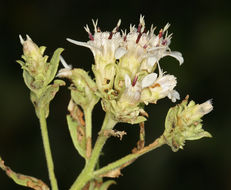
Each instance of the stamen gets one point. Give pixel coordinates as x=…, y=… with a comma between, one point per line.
x=164, y=42
x=141, y=25
x=134, y=81
x=124, y=35
x=138, y=38
x=166, y=27
x=21, y=39
x=160, y=33
x=89, y=33
x=28, y=37
x=116, y=29
x=132, y=28
x=95, y=23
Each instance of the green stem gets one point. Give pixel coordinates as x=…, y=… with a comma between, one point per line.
x=46, y=144
x=87, y=173
x=88, y=120
x=123, y=162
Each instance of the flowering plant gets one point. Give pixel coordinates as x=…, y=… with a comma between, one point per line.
x=128, y=77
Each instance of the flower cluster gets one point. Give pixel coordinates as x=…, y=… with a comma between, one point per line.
x=124, y=68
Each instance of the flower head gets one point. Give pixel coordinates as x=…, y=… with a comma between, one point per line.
x=124, y=67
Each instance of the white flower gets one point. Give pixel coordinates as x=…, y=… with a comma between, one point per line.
x=102, y=43
x=196, y=111
x=140, y=49
x=206, y=107
x=133, y=89
x=164, y=85
x=174, y=95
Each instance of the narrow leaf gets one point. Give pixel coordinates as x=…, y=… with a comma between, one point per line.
x=106, y=184
x=23, y=180
x=53, y=65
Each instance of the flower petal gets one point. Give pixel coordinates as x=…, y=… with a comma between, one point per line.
x=120, y=52
x=127, y=81
x=148, y=80
x=174, y=95
x=84, y=44
x=176, y=55
x=151, y=61
x=206, y=107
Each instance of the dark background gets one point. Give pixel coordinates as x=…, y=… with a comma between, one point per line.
x=201, y=32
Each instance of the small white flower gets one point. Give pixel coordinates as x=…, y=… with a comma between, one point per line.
x=138, y=44
x=206, y=107
x=133, y=89
x=148, y=80
x=174, y=95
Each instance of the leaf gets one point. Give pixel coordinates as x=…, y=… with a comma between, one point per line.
x=53, y=65
x=28, y=79
x=106, y=184
x=42, y=101
x=84, y=89
x=23, y=180
x=76, y=126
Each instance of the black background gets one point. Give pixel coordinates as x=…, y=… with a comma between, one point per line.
x=201, y=31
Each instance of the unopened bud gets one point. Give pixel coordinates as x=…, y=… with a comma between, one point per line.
x=183, y=122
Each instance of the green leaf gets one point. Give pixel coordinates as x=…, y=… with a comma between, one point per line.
x=77, y=133
x=42, y=99
x=83, y=92
x=29, y=80
x=53, y=65
x=106, y=184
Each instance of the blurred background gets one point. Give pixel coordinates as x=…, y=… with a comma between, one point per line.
x=201, y=31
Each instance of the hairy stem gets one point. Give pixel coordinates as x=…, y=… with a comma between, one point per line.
x=123, y=162
x=47, y=149
x=87, y=173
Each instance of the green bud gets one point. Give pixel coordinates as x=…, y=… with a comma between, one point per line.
x=37, y=72
x=83, y=88
x=183, y=122
x=124, y=112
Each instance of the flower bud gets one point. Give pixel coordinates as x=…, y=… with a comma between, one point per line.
x=30, y=49
x=183, y=122
x=37, y=72
x=83, y=89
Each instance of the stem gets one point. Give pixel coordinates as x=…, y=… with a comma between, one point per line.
x=88, y=120
x=87, y=172
x=123, y=162
x=47, y=149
